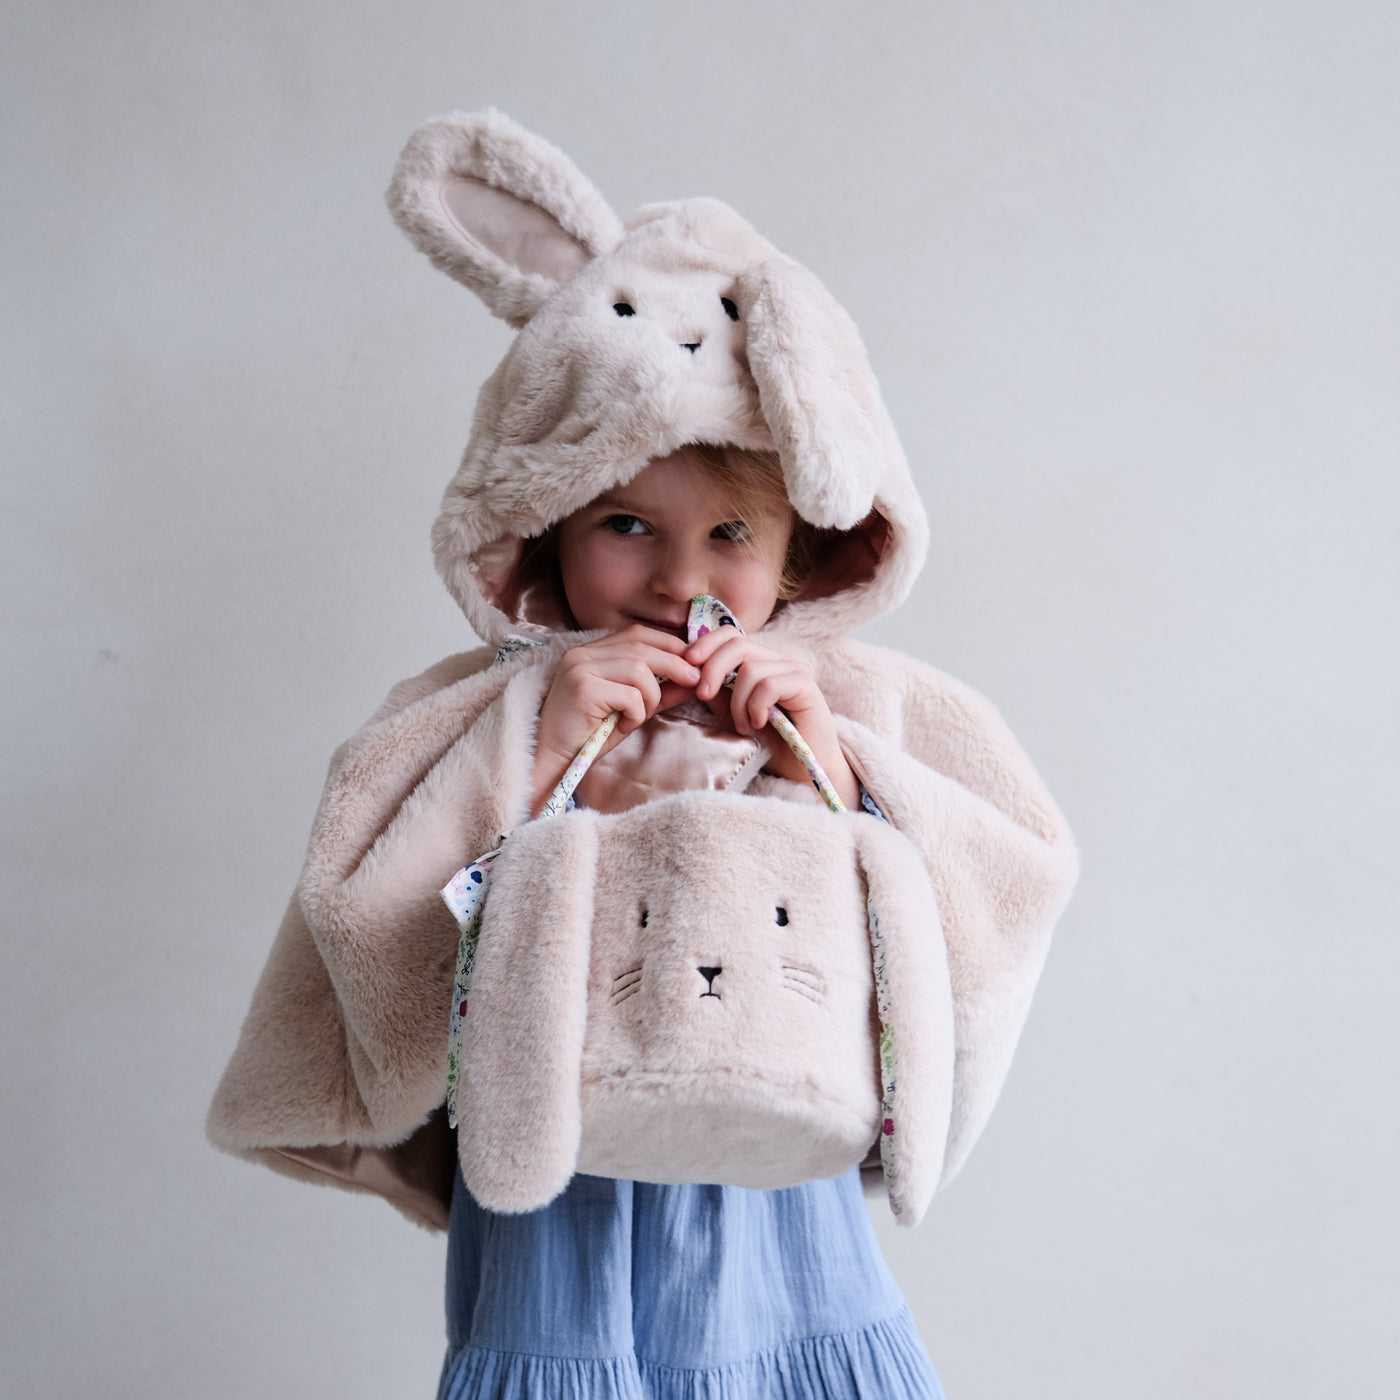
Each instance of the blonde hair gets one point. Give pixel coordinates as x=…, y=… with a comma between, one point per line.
x=755, y=481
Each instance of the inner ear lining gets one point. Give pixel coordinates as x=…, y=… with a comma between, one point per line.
x=510, y=229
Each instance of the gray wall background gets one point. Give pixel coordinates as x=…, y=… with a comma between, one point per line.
x=1128, y=274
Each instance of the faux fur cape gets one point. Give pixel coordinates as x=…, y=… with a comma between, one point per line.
x=680, y=325
x=340, y=1069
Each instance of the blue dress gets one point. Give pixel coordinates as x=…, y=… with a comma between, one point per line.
x=620, y=1290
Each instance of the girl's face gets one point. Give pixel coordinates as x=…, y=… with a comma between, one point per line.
x=641, y=552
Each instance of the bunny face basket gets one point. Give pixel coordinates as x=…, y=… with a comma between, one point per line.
x=689, y=991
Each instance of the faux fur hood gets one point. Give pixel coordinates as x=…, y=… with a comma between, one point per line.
x=682, y=325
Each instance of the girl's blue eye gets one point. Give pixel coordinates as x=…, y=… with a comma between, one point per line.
x=730, y=530
x=624, y=525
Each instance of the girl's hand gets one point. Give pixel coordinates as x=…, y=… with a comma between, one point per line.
x=767, y=678
x=636, y=672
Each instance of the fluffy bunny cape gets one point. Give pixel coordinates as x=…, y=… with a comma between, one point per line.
x=682, y=325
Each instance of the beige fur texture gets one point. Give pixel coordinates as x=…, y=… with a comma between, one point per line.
x=339, y=1072
x=718, y=946
x=345, y=1042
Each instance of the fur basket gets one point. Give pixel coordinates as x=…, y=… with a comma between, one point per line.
x=690, y=991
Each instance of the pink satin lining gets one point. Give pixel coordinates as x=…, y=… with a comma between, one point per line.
x=416, y=1174
x=527, y=593
x=677, y=750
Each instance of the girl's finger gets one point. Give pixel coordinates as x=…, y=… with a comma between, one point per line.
x=729, y=655
x=765, y=693
x=628, y=701
x=673, y=668
x=648, y=687
x=747, y=715
x=669, y=664
x=702, y=648
x=742, y=710
x=762, y=684
x=642, y=668
x=652, y=636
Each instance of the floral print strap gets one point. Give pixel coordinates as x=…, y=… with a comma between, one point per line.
x=559, y=799
x=465, y=895
x=889, y=1146
x=806, y=758
x=512, y=644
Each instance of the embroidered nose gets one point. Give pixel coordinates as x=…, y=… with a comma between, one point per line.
x=691, y=345
x=709, y=974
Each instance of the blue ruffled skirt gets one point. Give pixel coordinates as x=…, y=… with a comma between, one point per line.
x=619, y=1290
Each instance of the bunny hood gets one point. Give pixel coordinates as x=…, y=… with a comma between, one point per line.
x=681, y=326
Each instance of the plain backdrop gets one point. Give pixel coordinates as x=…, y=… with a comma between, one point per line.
x=1127, y=270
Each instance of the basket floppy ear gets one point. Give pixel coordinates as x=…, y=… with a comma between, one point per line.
x=915, y=1002
x=499, y=209
x=817, y=392
x=518, y=1112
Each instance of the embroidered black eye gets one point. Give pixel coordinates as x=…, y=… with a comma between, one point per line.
x=782, y=916
x=644, y=917
x=624, y=308
x=730, y=309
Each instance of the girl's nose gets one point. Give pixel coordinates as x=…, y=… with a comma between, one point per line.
x=680, y=575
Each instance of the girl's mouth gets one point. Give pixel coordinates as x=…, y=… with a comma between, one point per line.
x=676, y=629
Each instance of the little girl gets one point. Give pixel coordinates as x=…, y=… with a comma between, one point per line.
x=684, y=412
x=623, y=1288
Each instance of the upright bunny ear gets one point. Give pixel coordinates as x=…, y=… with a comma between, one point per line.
x=817, y=392
x=915, y=1002
x=518, y=1113
x=499, y=209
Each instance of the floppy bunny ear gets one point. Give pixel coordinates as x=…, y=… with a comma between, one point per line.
x=499, y=209
x=518, y=1112
x=817, y=392
x=915, y=1003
